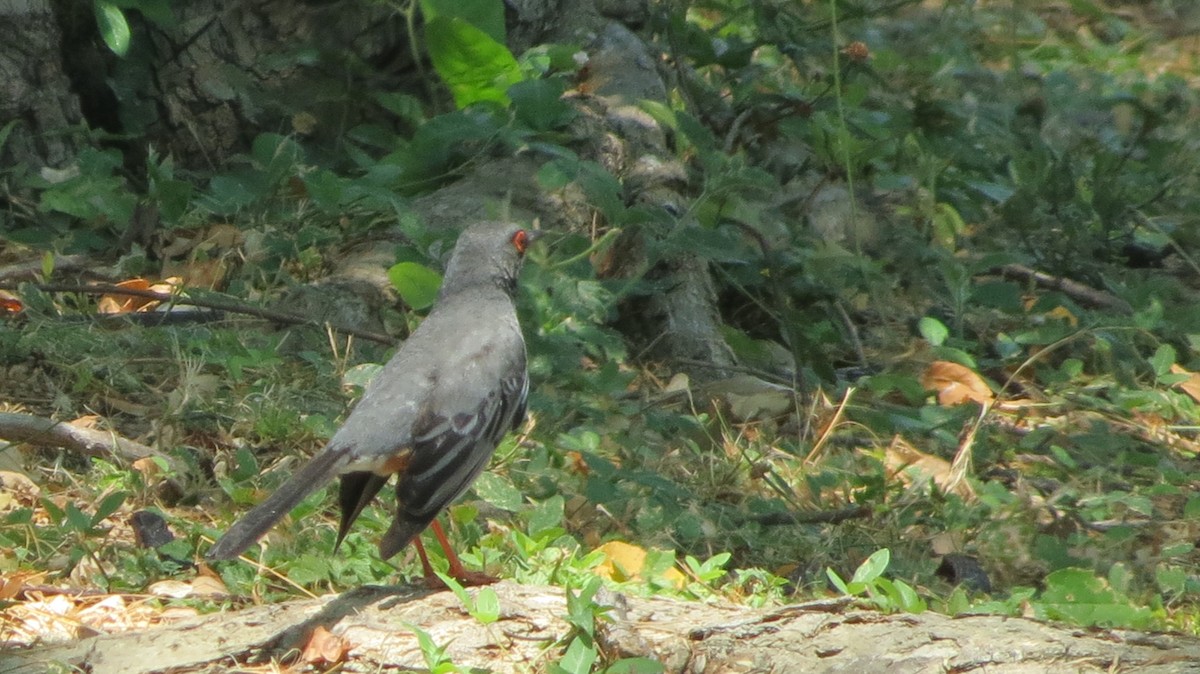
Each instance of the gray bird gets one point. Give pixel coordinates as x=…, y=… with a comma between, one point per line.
x=434, y=414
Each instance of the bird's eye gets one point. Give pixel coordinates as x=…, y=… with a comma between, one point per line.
x=520, y=241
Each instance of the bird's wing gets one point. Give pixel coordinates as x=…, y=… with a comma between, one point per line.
x=449, y=451
x=448, y=454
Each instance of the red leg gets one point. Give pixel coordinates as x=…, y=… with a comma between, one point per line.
x=426, y=567
x=456, y=570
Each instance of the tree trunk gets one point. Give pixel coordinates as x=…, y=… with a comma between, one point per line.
x=35, y=92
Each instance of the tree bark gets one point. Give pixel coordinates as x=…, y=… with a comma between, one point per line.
x=34, y=89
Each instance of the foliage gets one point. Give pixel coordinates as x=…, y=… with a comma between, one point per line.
x=1005, y=135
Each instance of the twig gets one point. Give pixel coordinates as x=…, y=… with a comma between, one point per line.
x=1074, y=289
x=50, y=433
x=837, y=417
x=31, y=270
x=821, y=517
x=206, y=303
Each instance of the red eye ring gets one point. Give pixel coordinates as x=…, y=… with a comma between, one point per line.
x=520, y=241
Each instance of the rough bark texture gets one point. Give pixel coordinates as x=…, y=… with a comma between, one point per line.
x=635, y=147
x=34, y=89
x=686, y=637
x=231, y=71
x=202, y=89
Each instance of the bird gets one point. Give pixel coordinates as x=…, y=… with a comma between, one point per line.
x=434, y=413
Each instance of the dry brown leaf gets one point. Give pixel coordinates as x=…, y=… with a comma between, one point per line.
x=15, y=582
x=624, y=561
x=19, y=489
x=109, y=615
x=86, y=421
x=122, y=304
x=917, y=469
x=946, y=542
x=1191, y=385
x=325, y=648
x=224, y=235
x=1062, y=313
x=45, y=620
x=209, y=585
x=175, y=589
x=208, y=273
x=955, y=384
x=148, y=467
x=10, y=304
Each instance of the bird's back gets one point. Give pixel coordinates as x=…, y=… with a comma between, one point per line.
x=458, y=357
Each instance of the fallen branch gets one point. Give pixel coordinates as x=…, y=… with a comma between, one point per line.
x=49, y=433
x=22, y=271
x=821, y=517
x=1073, y=289
x=216, y=304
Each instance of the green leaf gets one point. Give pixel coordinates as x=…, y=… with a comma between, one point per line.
x=457, y=588
x=837, y=581
x=6, y=131
x=475, y=66
x=309, y=569
x=873, y=567
x=539, y=104
x=578, y=659
x=499, y=491
x=1077, y=595
x=56, y=514
x=1191, y=510
x=434, y=655
x=114, y=29
x=361, y=375
x=108, y=506
x=546, y=516
x=77, y=519
x=487, y=606
x=417, y=284
x=907, y=598
x=1163, y=359
x=158, y=11
x=933, y=330
x=486, y=15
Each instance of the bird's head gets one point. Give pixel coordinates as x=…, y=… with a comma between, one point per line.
x=488, y=254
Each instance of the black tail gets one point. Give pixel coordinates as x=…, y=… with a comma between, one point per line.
x=356, y=493
x=400, y=534
x=311, y=477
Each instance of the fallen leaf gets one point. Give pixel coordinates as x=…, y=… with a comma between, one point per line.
x=148, y=467
x=1191, y=385
x=10, y=303
x=175, y=589
x=955, y=384
x=752, y=398
x=116, y=303
x=15, y=582
x=122, y=304
x=624, y=561
x=917, y=469
x=209, y=585
x=324, y=648
x=18, y=488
